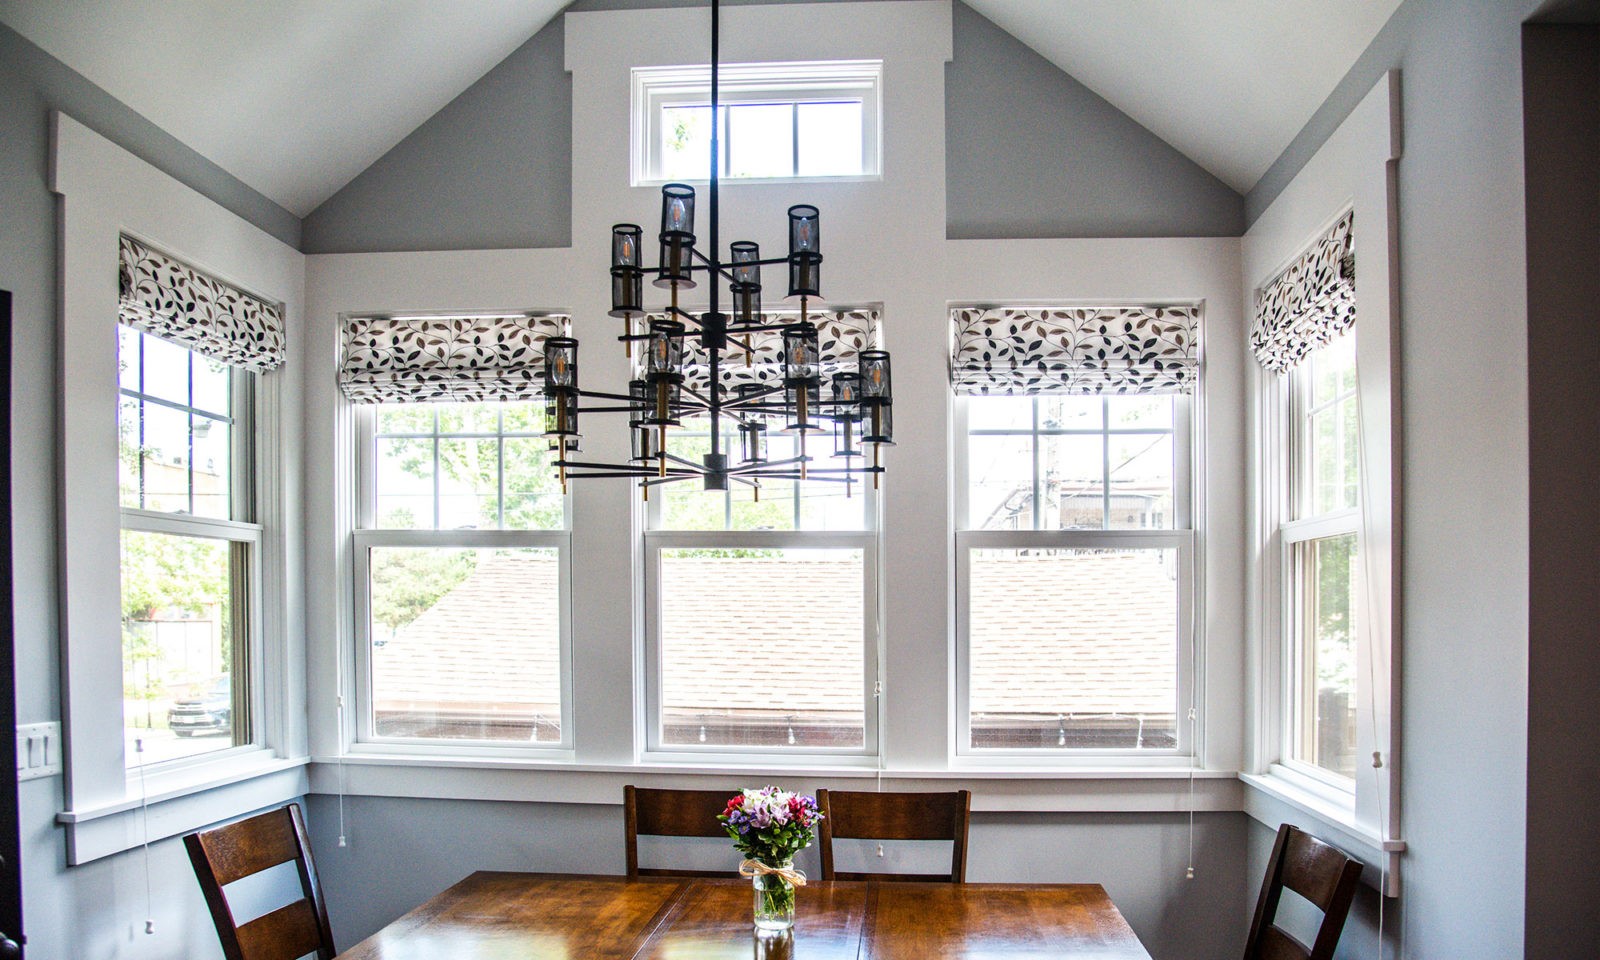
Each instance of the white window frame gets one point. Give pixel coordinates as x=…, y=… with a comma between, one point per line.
x=1299, y=527
x=655, y=88
x=1180, y=538
x=365, y=538
x=235, y=530
x=866, y=540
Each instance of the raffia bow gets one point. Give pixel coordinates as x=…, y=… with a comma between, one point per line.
x=755, y=868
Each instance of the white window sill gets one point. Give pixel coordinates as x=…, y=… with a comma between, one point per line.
x=1280, y=797
x=181, y=800
x=1016, y=788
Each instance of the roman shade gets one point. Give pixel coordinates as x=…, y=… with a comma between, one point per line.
x=1080, y=350
x=1310, y=303
x=167, y=298
x=841, y=336
x=462, y=359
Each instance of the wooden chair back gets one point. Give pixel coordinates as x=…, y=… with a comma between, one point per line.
x=670, y=813
x=850, y=815
x=1316, y=871
x=237, y=850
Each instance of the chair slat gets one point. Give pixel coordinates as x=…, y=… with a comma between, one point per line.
x=1315, y=870
x=1311, y=868
x=287, y=933
x=654, y=812
x=235, y=854
x=859, y=815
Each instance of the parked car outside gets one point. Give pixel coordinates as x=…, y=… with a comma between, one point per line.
x=209, y=712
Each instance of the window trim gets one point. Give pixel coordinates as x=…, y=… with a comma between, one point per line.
x=1184, y=536
x=364, y=538
x=654, y=88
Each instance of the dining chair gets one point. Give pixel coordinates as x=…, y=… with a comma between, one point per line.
x=670, y=813
x=234, y=851
x=1315, y=870
x=850, y=815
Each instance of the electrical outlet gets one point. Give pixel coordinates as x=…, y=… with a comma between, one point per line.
x=38, y=750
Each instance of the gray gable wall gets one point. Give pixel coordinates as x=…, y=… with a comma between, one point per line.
x=1030, y=152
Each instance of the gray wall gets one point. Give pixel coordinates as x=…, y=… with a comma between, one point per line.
x=1466, y=723
x=1561, y=76
x=402, y=851
x=1030, y=152
x=96, y=910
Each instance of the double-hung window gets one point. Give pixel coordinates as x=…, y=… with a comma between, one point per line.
x=1304, y=337
x=189, y=348
x=1074, y=542
x=778, y=121
x=761, y=601
x=461, y=546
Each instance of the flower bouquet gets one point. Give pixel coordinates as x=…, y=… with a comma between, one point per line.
x=769, y=826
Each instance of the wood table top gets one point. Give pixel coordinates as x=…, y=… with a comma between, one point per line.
x=533, y=916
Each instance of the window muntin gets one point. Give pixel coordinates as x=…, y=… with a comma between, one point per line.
x=187, y=551
x=463, y=626
x=1322, y=566
x=1074, y=541
x=1071, y=463
x=779, y=121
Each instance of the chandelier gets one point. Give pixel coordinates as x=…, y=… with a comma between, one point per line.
x=858, y=405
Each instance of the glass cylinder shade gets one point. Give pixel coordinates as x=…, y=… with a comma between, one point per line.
x=664, y=359
x=560, y=365
x=873, y=366
x=800, y=354
x=753, y=441
x=800, y=402
x=627, y=291
x=805, y=275
x=645, y=442
x=677, y=257
x=743, y=255
x=845, y=439
x=625, y=239
x=805, y=231
x=639, y=401
x=746, y=304
x=878, y=422
x=677, y=211
x=846, y=396
x=561, y=414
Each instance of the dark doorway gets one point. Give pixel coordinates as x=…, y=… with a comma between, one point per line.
x=10, y=856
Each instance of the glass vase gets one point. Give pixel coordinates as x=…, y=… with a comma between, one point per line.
x=774, y=899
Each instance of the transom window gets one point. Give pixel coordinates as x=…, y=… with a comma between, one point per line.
x=778, y=121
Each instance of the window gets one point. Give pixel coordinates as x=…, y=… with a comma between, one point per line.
x=188, y=542
x=761, y=602
x=779, y=121
x=1319, y=542
x=1074, y=542
x=462, y=544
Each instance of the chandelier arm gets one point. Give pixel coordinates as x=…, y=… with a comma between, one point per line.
x=651, y=480
x=627, y=409
x=602, y=465
x=765, y=465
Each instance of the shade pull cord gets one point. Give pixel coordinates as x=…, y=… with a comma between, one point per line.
x=144, y=826
x=339, y=712
x=1378, y=645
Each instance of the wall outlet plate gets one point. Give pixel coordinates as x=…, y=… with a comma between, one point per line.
x=38, y=750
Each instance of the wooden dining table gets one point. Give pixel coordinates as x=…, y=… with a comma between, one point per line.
x=534, y=916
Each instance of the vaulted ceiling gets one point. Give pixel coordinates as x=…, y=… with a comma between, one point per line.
x=296, y=97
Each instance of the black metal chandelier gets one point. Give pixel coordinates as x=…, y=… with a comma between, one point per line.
x=859, y=404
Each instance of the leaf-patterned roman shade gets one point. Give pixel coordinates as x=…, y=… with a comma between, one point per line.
x=431, y=359
x=169, y=299
x=841, y=335
x=1310, y=303
x=1083, y=350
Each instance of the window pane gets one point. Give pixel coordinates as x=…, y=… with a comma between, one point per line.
x=533, y=492
x=466, y=644
x=999, y=483
x=468, y=417
x=178, y=646
x=1074, y=492
x=788, y=671
x=213, y=453
x=1327, y=707
x=166, y=370
x=1000, y=413
x=1073, y=648
x=404, y=418
x=1140, y=412
x=1141, y=482
x=404, y=485
x=128, y=452
x=213, y=384
x=685, y=143
x=164, y=459
x=469, y=484
x=128, y=357
x=830, y=139
x=1329, y=440
x=761, y=140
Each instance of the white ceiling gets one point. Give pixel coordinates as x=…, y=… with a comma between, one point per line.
x=297, y=97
